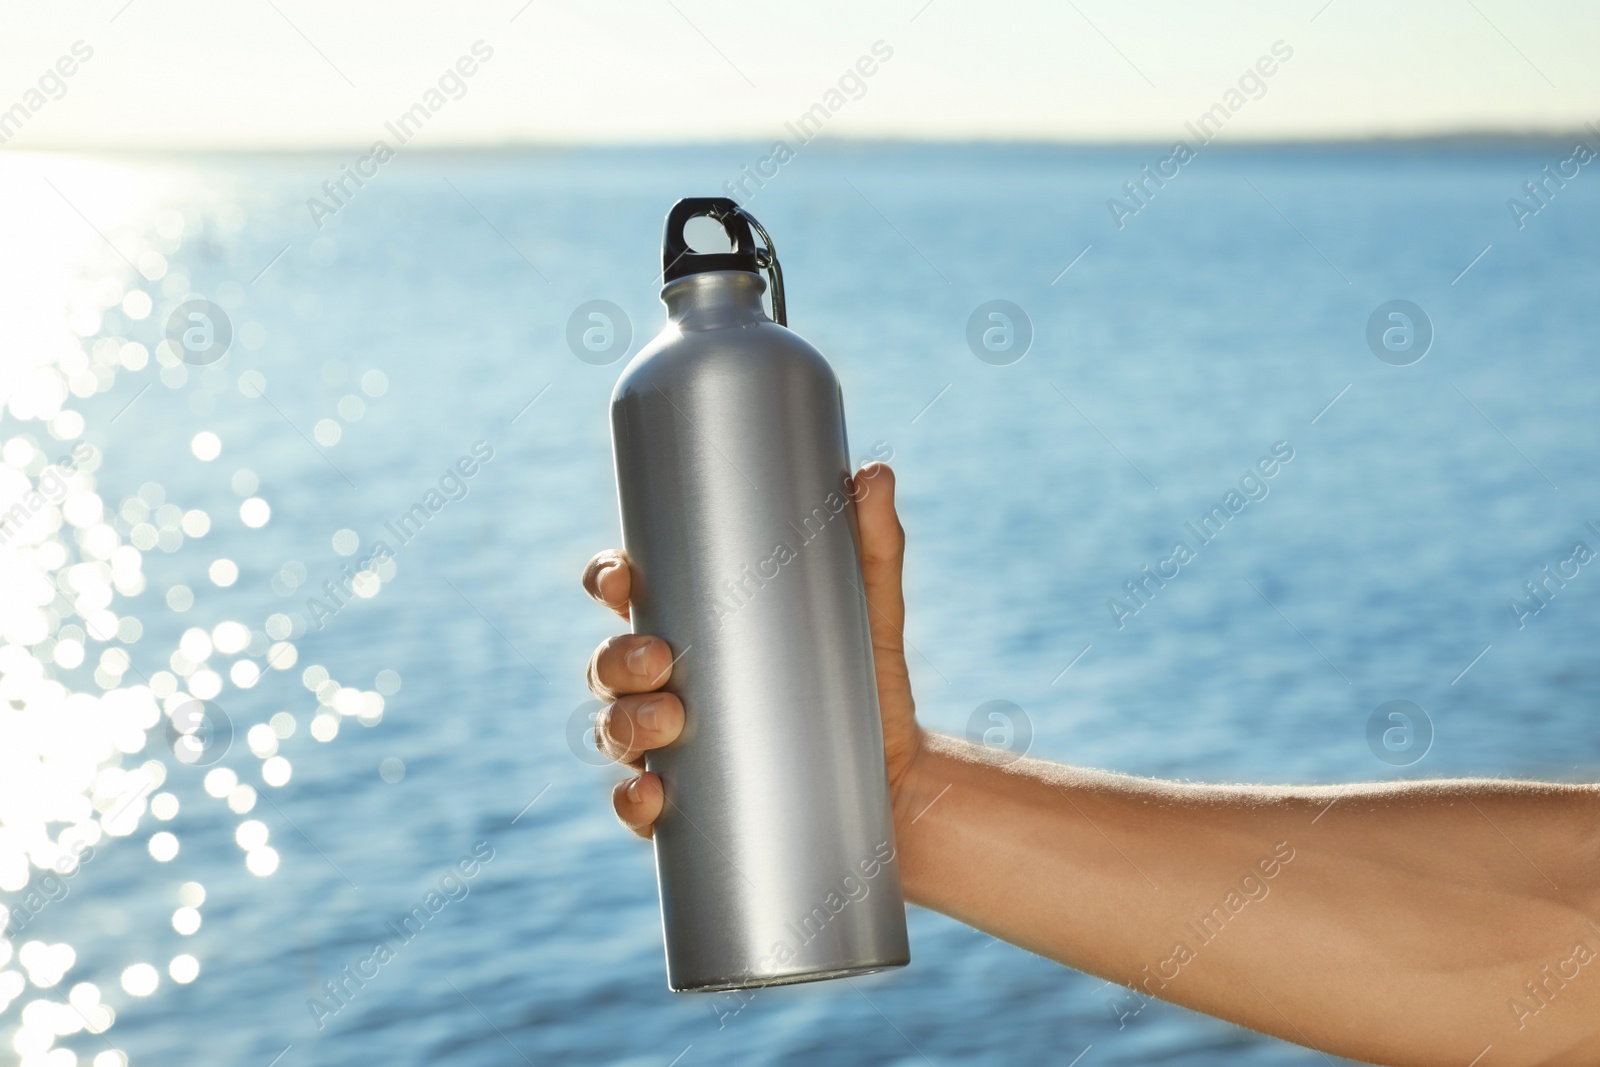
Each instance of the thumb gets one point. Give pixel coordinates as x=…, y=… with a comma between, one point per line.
x=883, y=544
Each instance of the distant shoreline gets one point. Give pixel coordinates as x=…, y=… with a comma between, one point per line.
x=1466, y=140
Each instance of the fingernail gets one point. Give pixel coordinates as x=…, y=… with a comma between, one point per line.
x=649, y=713
x=637, y=658
x=633, y=791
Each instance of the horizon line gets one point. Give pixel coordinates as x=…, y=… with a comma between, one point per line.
x=1465, y=137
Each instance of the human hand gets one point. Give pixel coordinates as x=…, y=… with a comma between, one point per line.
x=628, y=671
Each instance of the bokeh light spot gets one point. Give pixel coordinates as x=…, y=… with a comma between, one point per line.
x=206, y=446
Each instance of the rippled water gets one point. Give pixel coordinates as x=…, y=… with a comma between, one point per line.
x=421, y=731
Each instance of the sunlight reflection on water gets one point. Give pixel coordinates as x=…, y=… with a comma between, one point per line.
x=87, y=733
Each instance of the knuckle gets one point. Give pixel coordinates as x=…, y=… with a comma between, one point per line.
x=620, y=734
x=607, y=656
x=603, y=731
x=596, y=686
x=632, y=813
x=591, y=576
x=595, y=568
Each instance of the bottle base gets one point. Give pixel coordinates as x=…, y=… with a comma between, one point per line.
x=723, y=985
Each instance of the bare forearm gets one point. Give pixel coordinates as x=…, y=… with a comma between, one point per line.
x=1390, y=923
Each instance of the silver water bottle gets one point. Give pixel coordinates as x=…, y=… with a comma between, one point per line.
x=775, y=850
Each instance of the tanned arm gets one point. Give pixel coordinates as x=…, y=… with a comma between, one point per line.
x=1431, y=923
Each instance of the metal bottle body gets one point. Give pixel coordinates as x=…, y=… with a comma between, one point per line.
x=775, y=851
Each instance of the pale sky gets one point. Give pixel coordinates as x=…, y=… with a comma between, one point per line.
x=199, y=74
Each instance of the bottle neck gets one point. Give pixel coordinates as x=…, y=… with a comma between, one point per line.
x=715, y=299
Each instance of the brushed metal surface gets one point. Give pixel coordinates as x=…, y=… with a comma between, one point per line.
x=775, y=851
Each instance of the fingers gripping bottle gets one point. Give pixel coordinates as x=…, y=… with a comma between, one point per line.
x=775, y=849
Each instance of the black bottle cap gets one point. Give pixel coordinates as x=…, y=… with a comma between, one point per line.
x=678, y=260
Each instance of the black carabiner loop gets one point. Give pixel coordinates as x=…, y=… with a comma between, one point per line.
x=678, y=259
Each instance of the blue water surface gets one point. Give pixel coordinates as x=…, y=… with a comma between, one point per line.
x=1222, y=318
